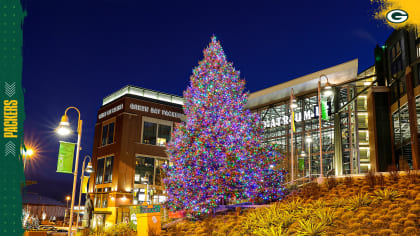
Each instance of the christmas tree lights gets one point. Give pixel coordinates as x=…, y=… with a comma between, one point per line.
x=218, y=153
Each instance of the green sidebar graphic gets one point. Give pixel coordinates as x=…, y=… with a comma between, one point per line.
x=12, y=117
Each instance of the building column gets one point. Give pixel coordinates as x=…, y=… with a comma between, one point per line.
x=412, y=114
x=338, y=148
x=338, y=154
x=380, y=143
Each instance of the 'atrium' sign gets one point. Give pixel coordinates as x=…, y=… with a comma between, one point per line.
x=285, y=120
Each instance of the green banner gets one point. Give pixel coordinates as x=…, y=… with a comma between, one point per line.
x=65, y=157
x=324, y=110
x=12, y=116
x=301, y=163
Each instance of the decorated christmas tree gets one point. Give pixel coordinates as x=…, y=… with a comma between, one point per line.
x=218, y=153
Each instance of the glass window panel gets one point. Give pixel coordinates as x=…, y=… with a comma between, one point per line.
x=98, y=197
x=137, y=178
x=164, y=134
x=100, y=171
x=104, y=134
x=159, y=166
x=108, y=169
x=104, y=200
x=111, y=133
x=149, y=133
x=145, y=168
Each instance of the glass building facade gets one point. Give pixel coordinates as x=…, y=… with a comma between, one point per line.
x=345, y=137
x=402, y=51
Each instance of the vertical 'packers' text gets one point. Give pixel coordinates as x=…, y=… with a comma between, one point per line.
x=10, y=121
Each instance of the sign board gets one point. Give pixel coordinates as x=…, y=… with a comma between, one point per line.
x=65, y=157
x=144, y=209
x=298, y=117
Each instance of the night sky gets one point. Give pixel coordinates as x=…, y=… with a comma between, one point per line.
x=77, y=52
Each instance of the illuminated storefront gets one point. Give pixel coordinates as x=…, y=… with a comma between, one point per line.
x=132, y=129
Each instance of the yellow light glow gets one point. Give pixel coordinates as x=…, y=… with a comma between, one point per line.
x=29, y=152
x=33, y=156
x=63, y=130
x=64, y=126
x=68, y=198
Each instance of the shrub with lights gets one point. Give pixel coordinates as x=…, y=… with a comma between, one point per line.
x=218, y=154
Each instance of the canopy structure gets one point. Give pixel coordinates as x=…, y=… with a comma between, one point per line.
x=338, y=74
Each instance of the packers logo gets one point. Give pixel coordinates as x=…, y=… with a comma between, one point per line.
x=397, y=16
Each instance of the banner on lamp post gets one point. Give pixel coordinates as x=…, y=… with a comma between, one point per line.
x=85, y=183
x=324, y=110
x=293, y=121
x=301, y=163
x=65, y=157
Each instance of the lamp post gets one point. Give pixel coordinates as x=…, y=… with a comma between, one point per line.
x=67, y=209
x=308, y=139
x=89, y=170
x=64, y=129
x=293, y=104
x=328, y=92
x=27, y=153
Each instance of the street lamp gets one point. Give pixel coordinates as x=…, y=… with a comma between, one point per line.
x=67, y=199
x=89, y=170
x=64, y=129
x=28, y=153
x=293, y=104
x=327, y=92
x=308, y=139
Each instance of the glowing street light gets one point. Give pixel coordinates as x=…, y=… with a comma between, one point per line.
x=294, y=103
x=67, y=209
x=64, y=129
x=27, y=154
x=328, y=90
x=64, y=126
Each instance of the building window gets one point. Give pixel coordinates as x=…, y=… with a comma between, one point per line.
x=104, y=170
x=100, y=171
x=108, y=134
x=98, y=198
x=144, y=170
x=396, y=59
x=149, y=170
x=149, y=133
x=108, y=169
x=164, y=134
x=156, y=132
x=101, y=197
